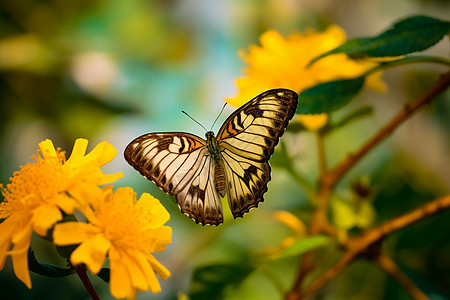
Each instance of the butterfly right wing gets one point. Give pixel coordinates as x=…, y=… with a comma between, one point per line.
x=180, y=164
x=247, y=140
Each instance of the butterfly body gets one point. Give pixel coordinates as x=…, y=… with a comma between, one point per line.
x=219, y=173
x=235, y=163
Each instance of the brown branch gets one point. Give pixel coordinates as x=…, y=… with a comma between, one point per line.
x=305, y=267
x=330, y=179
x=358, y=245
x=400, y=222
x=321, y=152
x=318, y=222
x=329, y=274
x=391, y=268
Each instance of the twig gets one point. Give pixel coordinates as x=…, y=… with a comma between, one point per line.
x=329, y=274
x=400, y=222
x=303, y=269
x=318, y=222
x=391, y=268
x=358, y=245
x=331, y=178
x=81, y=271
x=321, y=152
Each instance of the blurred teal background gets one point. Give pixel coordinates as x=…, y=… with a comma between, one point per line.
x=113, y=70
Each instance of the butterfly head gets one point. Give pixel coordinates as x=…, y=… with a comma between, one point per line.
x=211, y=143
x=209, y=135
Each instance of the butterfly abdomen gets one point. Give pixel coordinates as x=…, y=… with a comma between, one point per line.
x=220, y=179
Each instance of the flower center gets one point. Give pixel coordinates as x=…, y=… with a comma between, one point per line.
x=33, y=185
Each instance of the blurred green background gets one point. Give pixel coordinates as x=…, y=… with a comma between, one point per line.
x=113, y=70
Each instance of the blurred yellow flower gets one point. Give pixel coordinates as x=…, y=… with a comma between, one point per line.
x=125, y=230
x=37, y=192
x=313, y=122
x=295, y=224
x=283, y=63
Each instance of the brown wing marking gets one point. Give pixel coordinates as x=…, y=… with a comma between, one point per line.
x=247, y=140
x=179, y=164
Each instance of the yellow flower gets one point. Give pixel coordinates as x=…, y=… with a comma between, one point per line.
x=126, y=231
x=283, y=63
x=33, y=199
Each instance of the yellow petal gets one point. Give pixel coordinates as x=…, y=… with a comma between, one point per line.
x=87, y=194
x=161, y=237
x=19, y=257
x=159, y=215
x=150, y=280
x=92, y=253
x=158, y=267
x=120, y=282
x=102, y=154
x=135, y=268
x=67, y=204
x=47, y=148
x=375, y=82
x=44, y=217
x=108, y=178
x=21, y=231
x=71, y=233
x=248, y=90
x=5, y=244
x=147, y=269
x=314, y=122
x=126, y=195
x=272, y=40
x=6, y=228
x=77, y=155
x=291, y=221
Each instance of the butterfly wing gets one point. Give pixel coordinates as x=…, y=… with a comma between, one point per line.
x=247, y=140
x=180, y=164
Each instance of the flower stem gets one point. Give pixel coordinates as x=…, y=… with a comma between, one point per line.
x=81, y=271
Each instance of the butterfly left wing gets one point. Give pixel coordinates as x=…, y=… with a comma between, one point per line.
x=180, y=164
x=247, y=140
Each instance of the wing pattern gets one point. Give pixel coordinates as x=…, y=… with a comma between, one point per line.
x=183, y=164
x=180, y=164
x=247, y=140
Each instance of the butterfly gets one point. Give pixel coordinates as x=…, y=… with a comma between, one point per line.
x=233, y=163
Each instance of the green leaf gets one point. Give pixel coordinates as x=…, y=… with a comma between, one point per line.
x=347, y=215
x=344, y=215
x=211, y=282
x=406, y=36
x=104, y=274
x=66, y=251
x=349, y=118
x=295, y=127
x=305, y=244
x=366, y=215
x=329, y=96
x=46, y=269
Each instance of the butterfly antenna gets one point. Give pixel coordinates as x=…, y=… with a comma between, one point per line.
x=194, y=119
x=218, y=116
